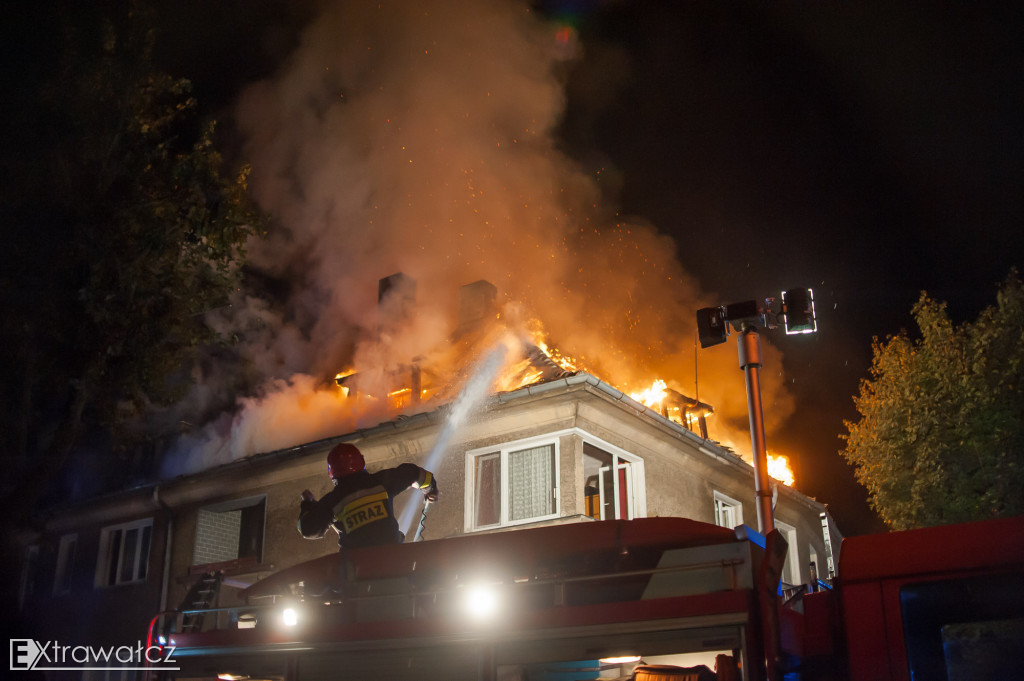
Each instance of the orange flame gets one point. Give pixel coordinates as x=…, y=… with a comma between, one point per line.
x=516, y=375
x=653, y=396
x=555, y=355
x=344, y=389
x=778, y=468
x=539, y=338
x=523, y=371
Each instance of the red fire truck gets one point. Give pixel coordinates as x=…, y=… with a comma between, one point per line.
x=655, y=598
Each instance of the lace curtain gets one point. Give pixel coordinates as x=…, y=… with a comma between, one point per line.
x=531, y=475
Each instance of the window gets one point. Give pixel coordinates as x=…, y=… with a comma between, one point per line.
x=65, y=564
x=831, y=557
x=728, y=511
x=791, y=568
x=515, y=484
x=230, y=531
x=610, y=485
x=124, y=553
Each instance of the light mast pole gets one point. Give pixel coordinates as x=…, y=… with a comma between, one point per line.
x=712, y=329
x=748, y=344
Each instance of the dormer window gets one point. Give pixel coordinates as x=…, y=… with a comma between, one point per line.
x=518, y=482
x=609, y=487
x=512, y=484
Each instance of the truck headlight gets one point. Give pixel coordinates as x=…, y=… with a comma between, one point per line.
x=481, y=601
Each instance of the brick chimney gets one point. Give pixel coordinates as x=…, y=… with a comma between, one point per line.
x=476, y=306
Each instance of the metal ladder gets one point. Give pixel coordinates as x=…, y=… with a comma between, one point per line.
x=202, y=596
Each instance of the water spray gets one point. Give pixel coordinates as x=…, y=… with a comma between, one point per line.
x=473, y=394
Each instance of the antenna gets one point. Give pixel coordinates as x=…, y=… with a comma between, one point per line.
x=696, y=381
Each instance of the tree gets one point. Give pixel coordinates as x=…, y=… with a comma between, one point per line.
x=123, y=231
x=941, y=434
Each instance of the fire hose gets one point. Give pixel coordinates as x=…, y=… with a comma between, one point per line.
x=423, y=521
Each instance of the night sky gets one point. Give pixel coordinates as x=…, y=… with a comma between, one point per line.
x=866, y=150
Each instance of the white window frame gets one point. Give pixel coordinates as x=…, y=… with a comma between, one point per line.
x=791, y=568
x=503, y=451
x=636, y=498
x=65, y=564
x=722, y=500
x=103, y=560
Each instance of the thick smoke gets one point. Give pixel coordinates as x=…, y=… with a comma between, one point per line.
x=419, y=138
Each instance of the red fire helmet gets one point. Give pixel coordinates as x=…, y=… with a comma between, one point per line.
x=345, y=459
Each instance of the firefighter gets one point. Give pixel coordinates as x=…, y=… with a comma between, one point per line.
x=360, y=507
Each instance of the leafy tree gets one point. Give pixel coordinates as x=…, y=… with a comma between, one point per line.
x=124, y=232
x=941, y=434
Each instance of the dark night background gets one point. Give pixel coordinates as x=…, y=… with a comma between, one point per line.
x=867, y=150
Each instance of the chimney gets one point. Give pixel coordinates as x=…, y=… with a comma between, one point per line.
x=396, y=296
x=476, y=305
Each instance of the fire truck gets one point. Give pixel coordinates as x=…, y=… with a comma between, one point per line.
x=653, y=598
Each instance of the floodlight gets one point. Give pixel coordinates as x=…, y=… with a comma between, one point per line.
x=798, y=308
x=711, y=329
x=746, y=318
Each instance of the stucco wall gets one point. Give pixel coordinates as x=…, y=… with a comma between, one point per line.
x=680, y=474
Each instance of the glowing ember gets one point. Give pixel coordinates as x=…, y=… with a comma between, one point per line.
x=778, y=468
x=525, y=371
x=555, y=355
x=539, y=338
x=517, y=375
x=532, y=358
x=653, y=396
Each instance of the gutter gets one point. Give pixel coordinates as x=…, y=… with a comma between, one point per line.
x=166, y=576
x=202, y=485
x=704, y=446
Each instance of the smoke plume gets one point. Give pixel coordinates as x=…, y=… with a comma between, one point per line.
x=420, y=138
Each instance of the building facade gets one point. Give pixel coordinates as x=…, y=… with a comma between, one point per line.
x=569, y=450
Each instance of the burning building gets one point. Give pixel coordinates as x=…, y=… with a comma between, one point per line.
x=397, y=139
x=542, y=442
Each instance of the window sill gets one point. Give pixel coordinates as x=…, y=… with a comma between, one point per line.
x=555, y=520
x=238, y=566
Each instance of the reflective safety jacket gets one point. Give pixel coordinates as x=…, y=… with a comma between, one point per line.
x=360, y=506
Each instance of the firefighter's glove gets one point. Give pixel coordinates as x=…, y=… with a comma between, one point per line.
x=432, y=492
x=428, y=485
